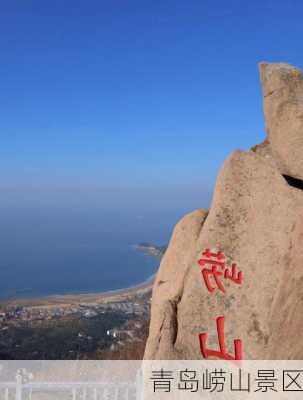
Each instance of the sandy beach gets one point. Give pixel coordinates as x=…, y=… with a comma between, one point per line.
x=66, y=300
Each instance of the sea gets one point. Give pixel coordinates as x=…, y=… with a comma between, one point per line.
x=51, y=245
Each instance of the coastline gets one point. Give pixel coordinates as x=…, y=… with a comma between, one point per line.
x=107, y=296
x=68, y=299
x=79, y=324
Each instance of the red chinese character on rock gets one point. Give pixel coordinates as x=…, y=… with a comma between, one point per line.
x=218, y=270
x=234, y=276
x=222, y=353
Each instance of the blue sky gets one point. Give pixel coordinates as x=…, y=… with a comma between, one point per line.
x=135, y=96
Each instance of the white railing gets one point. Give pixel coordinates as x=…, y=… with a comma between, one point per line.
x=30, y=390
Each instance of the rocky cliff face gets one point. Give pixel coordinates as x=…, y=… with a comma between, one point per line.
x=231, y=282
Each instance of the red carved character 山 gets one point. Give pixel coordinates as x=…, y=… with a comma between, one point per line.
x=222, y=353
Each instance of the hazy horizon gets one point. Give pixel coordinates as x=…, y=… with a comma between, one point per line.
x=116, y=118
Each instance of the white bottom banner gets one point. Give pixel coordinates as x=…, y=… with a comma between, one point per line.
x=148, y=380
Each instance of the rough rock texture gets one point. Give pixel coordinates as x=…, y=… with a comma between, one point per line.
x=283, y=108
x=256, y=220
x=169, y=285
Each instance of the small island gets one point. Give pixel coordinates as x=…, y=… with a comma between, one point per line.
x=151, y=249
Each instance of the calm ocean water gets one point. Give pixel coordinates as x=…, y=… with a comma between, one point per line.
x=57, y=267
x=55, y=241
x=46, y=248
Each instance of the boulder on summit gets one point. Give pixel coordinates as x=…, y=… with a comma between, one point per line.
x=231, y=282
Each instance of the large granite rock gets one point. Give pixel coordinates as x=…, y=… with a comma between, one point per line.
x=283, y=108
x=256, y=223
